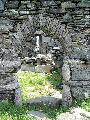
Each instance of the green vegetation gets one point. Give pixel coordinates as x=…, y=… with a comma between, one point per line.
x=9, y=111
x=51, y=112
x=31, y=85
x=85, y=104
x=55, y=79
x=38, y=84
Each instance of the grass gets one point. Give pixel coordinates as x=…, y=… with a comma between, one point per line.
x=9, y=111
x=51, y=112
x=55, y=79
x=38, y=84
x=34, y=85
x=85, y=104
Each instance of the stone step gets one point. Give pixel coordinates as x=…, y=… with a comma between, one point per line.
x=37, y=114
x=54, y=100
x=38, y=68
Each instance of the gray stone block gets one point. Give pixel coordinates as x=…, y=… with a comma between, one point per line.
x=66, y=96
x=54, y=101
x=80, y=72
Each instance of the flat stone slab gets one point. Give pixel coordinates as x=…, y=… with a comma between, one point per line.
x=53, y=100
x=74, y=114
x=37, y=114
x=27, y=67
x=38, y=68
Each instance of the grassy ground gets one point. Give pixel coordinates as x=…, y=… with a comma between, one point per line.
x=38, y=84
x=34, y=85
x=9, y=111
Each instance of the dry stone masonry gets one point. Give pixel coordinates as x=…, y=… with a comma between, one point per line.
x=66, y=21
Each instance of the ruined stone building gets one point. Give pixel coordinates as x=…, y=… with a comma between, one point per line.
x=67, y=22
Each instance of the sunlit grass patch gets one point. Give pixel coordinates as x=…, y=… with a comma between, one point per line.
x=34, y=84
x=38, y=84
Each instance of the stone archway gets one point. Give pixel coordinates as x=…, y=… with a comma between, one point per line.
x=50, y=26
x=72, y=40
x=28, y=29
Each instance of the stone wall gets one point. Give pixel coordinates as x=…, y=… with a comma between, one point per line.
x=9, y=64
x=66, y=21
x=76, y=76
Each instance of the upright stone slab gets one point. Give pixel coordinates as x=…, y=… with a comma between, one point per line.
x=66, y=94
